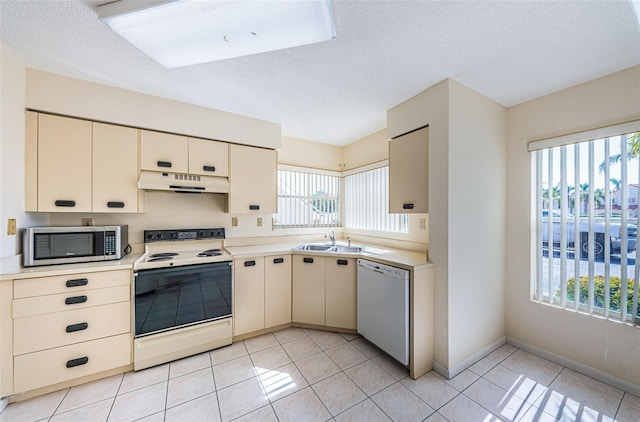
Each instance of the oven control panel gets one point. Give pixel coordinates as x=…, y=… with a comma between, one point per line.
x=182, y=234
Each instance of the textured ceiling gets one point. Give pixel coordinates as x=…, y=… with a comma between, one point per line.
x=338, y=91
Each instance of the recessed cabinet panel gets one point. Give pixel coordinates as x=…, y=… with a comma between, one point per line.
x=115, y=168
x=64, y=164
x=248, y=292
x=208, y=158
x=277, y=290
x=409, y=173
x=252, y=179
x=309, y=289
x=341, y=297
x=163, y=152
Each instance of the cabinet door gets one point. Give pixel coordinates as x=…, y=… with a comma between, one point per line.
x=409, y=173
x=164, y=152
x=252, y=180
x=308, y=289
x=277, y=290
x=208, y=158
x=248, y=291
x=341, y=298
x=64, y=164
x=115, y=168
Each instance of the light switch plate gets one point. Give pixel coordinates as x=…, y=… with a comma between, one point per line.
x=87, y=221
x=259, y=221
x=234, y=221
x=11, y=226
x=421, y=222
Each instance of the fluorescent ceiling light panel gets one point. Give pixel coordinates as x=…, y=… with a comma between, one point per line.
x=187, y=32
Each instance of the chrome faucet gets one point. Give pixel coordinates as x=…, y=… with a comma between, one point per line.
x=349, y=241
x=332, y=237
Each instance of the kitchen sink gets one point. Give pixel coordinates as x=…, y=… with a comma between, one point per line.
x=329, y=248
x=318, y=248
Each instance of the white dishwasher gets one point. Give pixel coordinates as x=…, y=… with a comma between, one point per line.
x=383, y=307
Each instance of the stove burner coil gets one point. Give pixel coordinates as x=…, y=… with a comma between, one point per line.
x=163, y=255
x=160, y=258
x=210, y=252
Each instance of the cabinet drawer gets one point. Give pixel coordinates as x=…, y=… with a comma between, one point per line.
x=69, y=283
x=40, y=305
x=41, y=332
x=35, y=370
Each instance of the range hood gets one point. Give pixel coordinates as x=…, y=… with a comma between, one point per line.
x=184, y=183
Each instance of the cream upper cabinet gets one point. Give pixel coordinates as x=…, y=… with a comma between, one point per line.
x=252, y=179
x=248, y=293
x=115, y=168
x=409, y=172
x=309, y=289
x=63, y=164
x=340, y=295
x=208, y=158
x=163, y=152
x=277, y=290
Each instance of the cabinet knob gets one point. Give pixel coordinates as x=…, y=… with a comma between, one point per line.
x=77, y=282
x=343, y=262
x=65, y=203
x=76, y=327
x=208, y=168
x=308, y=260
x=164, y=164
x=254, y=207
x=278, y=260
x=407, y=206
x=77, y=362
x=75, y=300
x=249, y=263
x=115, y=204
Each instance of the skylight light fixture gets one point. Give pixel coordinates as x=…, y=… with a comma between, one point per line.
x=178, y=33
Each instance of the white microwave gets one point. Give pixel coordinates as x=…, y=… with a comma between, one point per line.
x=66, y=245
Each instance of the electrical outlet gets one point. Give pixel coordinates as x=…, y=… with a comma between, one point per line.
x=234, y=221
x=87, y=221
x=421, y=223
x=11, y=227
x=259, y=221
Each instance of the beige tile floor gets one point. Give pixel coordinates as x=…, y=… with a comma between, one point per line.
x=306, y=375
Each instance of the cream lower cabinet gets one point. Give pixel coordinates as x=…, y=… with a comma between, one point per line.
x=409, y=172
x=324, y=291
x=262, y=293
x=252, y=180
x=340, y=293
x=70, y=326
x=309, y=289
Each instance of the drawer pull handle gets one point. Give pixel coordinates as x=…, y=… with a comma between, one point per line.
x=408, y=206
x=208, y=168
x=115, y=204
x=77, y=327
x=308, y=260
x=254, y=207
x=278, y=260
x=65, y=203
x=77, y=362
x=77, y=282
x=343, y=262
x=249, y=263
x=75, y=299
x=164, y=164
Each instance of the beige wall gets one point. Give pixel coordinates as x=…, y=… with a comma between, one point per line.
x=370, y=149
x=303, y=153
x=12, y=170
x=605, y=346
x=78, y=98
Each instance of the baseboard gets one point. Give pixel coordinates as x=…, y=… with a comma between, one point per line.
x=578, y=367
x=451, y=372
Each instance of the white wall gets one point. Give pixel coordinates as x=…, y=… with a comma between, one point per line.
x=12, y=87
x=477, y=206
x=605, y=346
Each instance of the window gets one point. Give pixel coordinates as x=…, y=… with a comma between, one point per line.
x=586, y=189
x=307, y=199
x=367, y=202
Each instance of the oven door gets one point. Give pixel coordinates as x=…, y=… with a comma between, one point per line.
x=169, y=298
